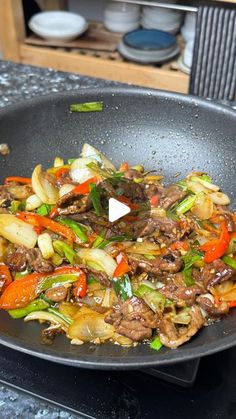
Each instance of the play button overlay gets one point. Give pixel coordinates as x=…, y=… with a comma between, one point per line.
x=117, y=210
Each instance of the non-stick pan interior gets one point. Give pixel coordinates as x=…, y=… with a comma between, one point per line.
x=174, y=134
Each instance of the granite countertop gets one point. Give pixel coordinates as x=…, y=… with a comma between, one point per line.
x=17, y=83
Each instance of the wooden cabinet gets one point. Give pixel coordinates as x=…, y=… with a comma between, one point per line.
x=101, y=65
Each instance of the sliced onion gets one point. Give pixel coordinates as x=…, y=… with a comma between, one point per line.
x=107, y=300
x=65, y=189
x=17, y=231
x=100, y=259
x=220, y=198
x=143, y=248
x=92, y=152
x=196, y=187
x=89, y=327
x=47, y=317
x=203, y=207
x=58, y=162
x=122, y=340
x=45, y=245
x=20, y=191
x=80, y=172
x=33, y=202
x=3, y=248
x=69, y=309
x=43, y=186
x=206, y=184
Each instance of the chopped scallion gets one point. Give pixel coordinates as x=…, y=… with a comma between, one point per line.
x=87, y=107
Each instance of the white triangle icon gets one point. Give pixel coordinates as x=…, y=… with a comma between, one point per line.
x=116, y=210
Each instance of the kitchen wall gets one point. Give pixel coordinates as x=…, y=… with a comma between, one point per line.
x=91, y=9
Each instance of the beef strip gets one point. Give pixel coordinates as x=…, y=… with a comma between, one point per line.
x=213, y=310
x=49, y=334
x=18, y=258
x=170, y=262
x=57, y=294
x=131, y=190
x=132, y=174
x=215, y=273
x=20, y=191
x=172, y=336
x=64, y=179
x=186, y=294
x=133, y=319
x=171, y=195
x=101, y=276
x=72, y=203
x=163, y=224
x=5, y=195
x=90, y=218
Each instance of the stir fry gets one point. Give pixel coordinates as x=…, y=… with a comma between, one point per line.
x=155, y=276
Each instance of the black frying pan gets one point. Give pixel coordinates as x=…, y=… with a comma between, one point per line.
x=170, y=132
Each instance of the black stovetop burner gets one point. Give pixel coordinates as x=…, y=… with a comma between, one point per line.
x=129, y=394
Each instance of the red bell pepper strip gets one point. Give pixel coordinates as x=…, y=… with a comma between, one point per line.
x=21, y=292
x=17, y=179
x=122, y=267
x=180, y=245
x=61, y=172
x=154, y=201
x=5, y=275
x=80, y=286
x=214, y=249
x=125, y=200
x=232, y=304
x=83, y=188
x=124, y=166
x=40, y=221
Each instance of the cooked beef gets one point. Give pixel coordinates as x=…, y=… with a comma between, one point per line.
x=176, y=293
x=36, y=261
x=215, y=273
x=18, y=258
x=4, y=195
x=133, y=319
x=57, y=294
x=133, y=191
x=90, y=218
x=213, y=310
x=72, y=203
x=49, y=334
x=152, y=189
x=101, y=276
x=163, y=224
x=171, y=195
x=231, y=226
x=20, y=191
x=64, y=179
x=172, y=336
x=131, y=174
x=170, y=262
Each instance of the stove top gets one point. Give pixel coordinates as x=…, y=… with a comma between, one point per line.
x=129, y=394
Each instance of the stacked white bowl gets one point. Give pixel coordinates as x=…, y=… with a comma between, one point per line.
x=121, y=17
x=167, y=20
x=188, y=28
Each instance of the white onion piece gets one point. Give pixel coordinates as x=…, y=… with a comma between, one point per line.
x=66, y=189
x=143, y=248
x=100, y=258
x=17, y=231
x=207, y=185
x=196, y=187
x=32, y=202
x=90, y=326
x=220, y=198
x=58, y=162
x=45, y=245
x=148, y=284
x=203, y=207
x=122, y=340
x=46, y=190
x=90, y=151
x=47, y=317
x=80, y=172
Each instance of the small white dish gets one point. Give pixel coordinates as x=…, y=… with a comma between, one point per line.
x=58, y=26
x=146, y=57
x=121, y=27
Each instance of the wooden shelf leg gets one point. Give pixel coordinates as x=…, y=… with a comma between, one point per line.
x=12, y=28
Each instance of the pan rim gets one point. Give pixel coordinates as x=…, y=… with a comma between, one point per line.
x=135, y=361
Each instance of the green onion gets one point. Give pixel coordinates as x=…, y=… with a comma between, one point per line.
x=206, y=178
x=105, y=173
x=87, y=107
x=99, y=240
x=65, y=250
x=142, y=290
x=51, y=281
x=170, y=214
x=70, y=161
x=189, y=259
x=186, y=204
x=35, y=305
x=155, y=300
x=95, y=198
x=156, y=344
x=188, y=278
x=229, y=261
x=60, y=315
x=19, y=275
x=104, y=243
x=149, y=257
x=123, y=287
x=91, y=280
x=44, y=209
x=232, y=246
x=75, y=227
x=182, y=184
x=17, y=206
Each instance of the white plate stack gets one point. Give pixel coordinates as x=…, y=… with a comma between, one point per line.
x=167, y=20
x=121, y=17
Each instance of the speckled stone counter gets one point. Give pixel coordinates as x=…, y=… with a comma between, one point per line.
x=17, y=83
